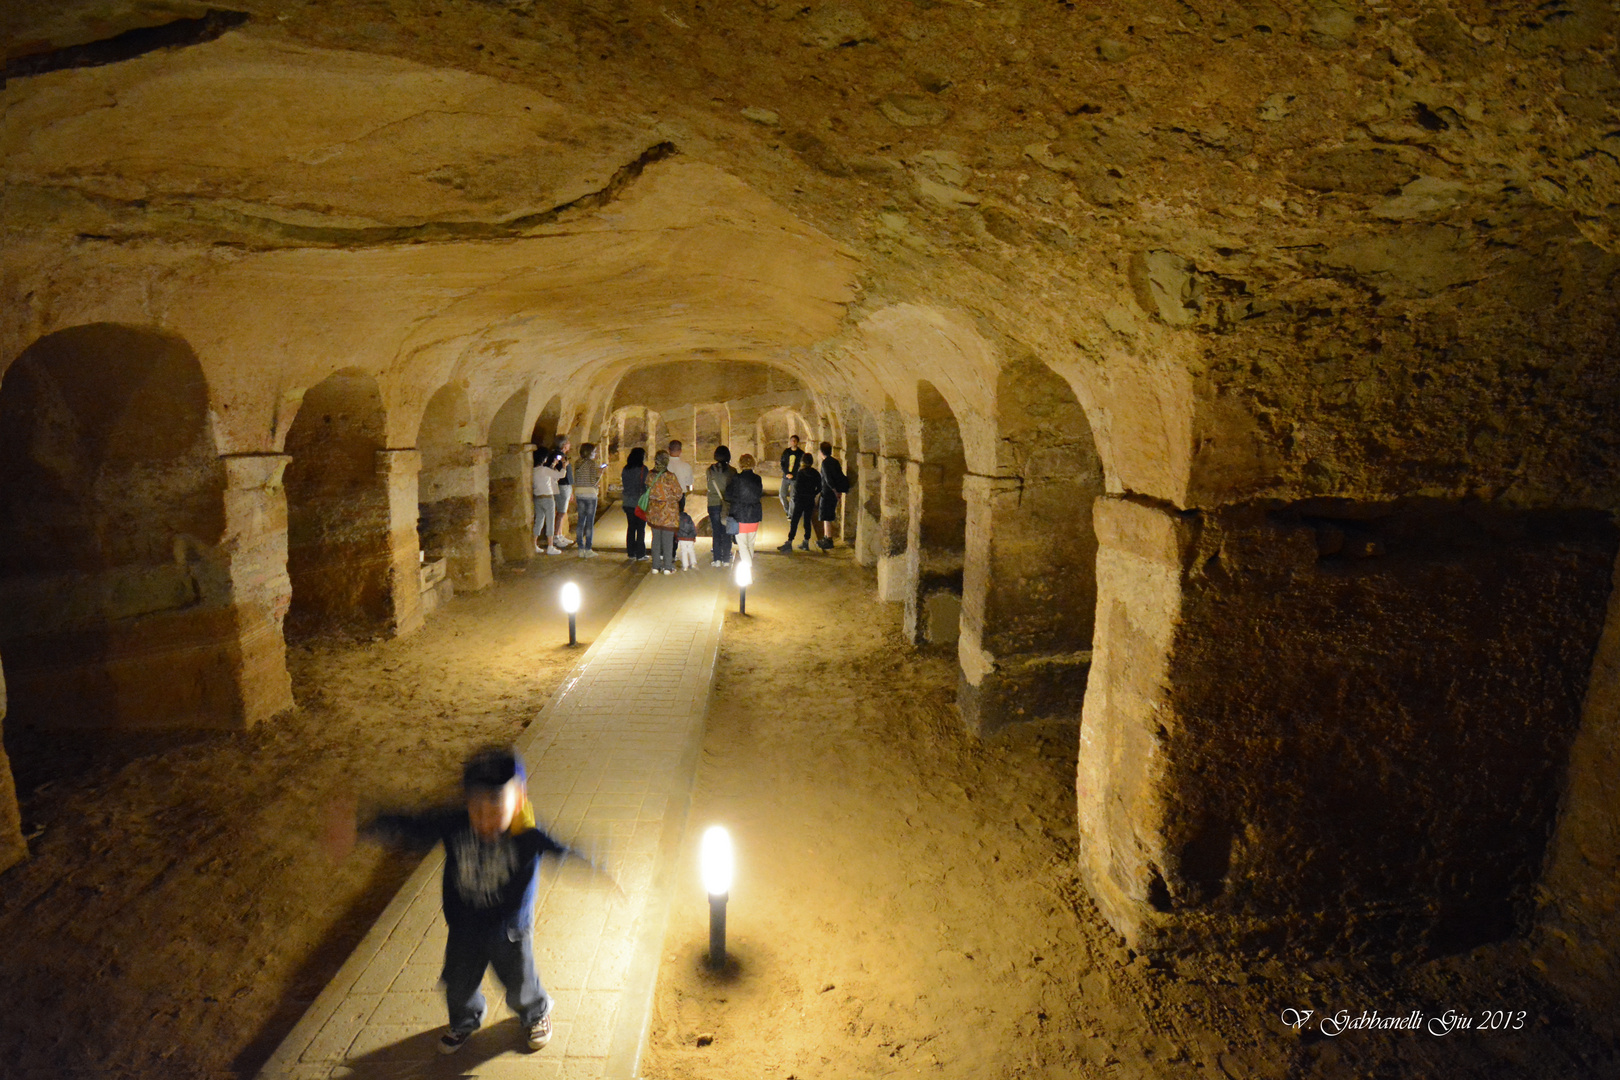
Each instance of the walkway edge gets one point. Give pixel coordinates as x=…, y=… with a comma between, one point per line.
x=633, y=1025
x=285, y=1061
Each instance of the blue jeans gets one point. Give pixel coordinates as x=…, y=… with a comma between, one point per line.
x=717, y=528
x=468, y=952
x=585, y=534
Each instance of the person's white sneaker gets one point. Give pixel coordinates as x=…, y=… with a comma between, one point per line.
x=563, y=541
x=553, y=550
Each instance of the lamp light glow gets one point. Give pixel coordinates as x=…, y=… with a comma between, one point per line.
x=718, y=863
x=570, y=604
x=745, y=573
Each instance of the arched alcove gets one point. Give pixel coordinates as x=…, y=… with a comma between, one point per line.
x=339, y=554
x=774, y=428
x=1029, y=595
x=511, y=505
x=938, y=521
x=546, y=425
x=453, y=490
x=117, y=552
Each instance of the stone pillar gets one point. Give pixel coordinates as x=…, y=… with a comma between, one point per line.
x=1322, y=729
x=13, y=849
x=867, y=495
x=255, y=547
x=400, y=471
x=1028, y=601
x=511, y=501
x=454, y=499
x=894, y=529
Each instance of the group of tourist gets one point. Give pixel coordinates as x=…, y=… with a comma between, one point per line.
x=655, y=497
x=810, y=494
x=557, y=481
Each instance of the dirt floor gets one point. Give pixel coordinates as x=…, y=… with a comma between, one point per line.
x=907, y=903
x=179, y=914
x=906, y=900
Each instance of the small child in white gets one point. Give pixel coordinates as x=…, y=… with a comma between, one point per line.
x=686, y=540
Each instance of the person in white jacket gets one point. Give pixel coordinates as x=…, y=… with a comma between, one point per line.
x=547, y=472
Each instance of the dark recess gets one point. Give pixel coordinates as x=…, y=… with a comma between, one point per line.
x=128, y=45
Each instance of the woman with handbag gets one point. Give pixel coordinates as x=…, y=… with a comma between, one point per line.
x=744, y=496
x=663, y=499
x=634, y=479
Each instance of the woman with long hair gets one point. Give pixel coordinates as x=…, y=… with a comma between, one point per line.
x=634, y=479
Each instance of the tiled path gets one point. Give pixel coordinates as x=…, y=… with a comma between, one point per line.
x=611, y=760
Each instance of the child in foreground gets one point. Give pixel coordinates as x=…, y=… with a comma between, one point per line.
x=492, y=853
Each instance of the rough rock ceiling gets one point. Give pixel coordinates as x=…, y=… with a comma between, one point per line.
x=1078, y=180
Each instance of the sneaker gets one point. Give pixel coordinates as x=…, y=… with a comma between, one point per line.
x=553, y=550
x=540, y=1033
x=588, y=553
x=805, y=546
x=787, y=548
x=563, y=541
x=643, y=558
x=453, y=1040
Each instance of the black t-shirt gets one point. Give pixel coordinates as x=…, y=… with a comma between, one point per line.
x=486, y=884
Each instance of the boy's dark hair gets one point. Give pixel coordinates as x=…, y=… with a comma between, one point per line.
x=826, y=448
x=587, y=450
x=722, y=454
x=491, y=769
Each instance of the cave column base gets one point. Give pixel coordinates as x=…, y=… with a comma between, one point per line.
x=256, y=552
x=400, y=471
x=511, y=502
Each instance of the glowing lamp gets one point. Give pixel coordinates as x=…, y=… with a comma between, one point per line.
x=745, y=578
x=570, y=604
x=717, y=864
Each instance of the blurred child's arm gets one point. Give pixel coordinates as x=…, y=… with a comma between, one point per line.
x=409, y=830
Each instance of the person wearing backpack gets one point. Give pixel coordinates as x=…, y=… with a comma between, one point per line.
x=634, y=480
x=833, y=484
x=717, y=479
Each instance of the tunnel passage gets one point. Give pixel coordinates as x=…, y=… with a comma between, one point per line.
x=453, y=490
x=938, y=522
x=117, y=606
x=339, y=549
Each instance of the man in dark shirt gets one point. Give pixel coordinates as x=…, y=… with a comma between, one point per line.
x=806, y=491
x=492, y=853
x=833, y=484
x=793, y=459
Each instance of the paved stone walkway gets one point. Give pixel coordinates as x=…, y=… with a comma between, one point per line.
x=611, y=761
